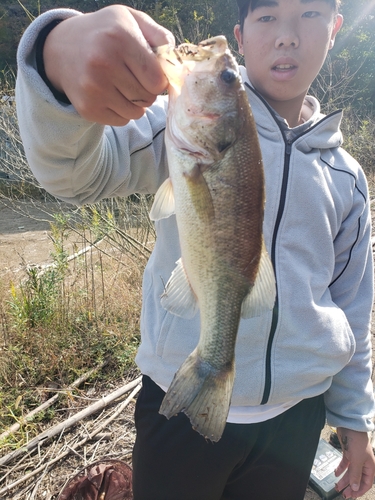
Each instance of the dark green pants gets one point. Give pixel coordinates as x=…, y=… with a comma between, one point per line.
x=270, y=460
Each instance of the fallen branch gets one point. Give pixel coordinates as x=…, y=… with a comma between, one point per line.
x=53, y=431
x=44, y=467
x=84, y=250
x=50, y=401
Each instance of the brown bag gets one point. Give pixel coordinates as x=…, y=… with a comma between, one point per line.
x=102, y=480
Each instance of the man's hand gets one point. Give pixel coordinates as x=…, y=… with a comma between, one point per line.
x=104, y=63
x=358, y=461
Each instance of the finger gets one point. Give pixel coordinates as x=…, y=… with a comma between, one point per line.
x=104, y=76
x=125, y=50
x=343, y=465
x=345, y=489
x=127, y=84
x=114, y=110
x=348, y=493
x=350, y=481
x=105, y=98
x=365, y=485
x=355, y=476
x=343, y=483
x=355, y=488
x=155, y=34
x=123, y=109
x=142, y=61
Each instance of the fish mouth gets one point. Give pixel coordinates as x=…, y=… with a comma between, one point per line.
x=205, y=50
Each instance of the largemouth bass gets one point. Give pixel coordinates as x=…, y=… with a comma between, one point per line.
x=216, y=191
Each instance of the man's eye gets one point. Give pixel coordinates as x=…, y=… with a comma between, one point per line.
x=310, y=14
x=266, y=19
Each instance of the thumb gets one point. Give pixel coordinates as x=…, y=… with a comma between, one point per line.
x=155, y=34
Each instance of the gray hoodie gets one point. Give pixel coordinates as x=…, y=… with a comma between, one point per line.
x=316, y=227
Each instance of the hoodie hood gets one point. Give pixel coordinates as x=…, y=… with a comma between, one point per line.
x=326, y=128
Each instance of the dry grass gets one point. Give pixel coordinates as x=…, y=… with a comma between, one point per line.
x=57, y=322
x=61, y=320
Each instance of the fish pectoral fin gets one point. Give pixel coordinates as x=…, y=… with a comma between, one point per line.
x=163, y=205
x=203, y=393
x=178, y=297
x=261, y=297
x=200, y=194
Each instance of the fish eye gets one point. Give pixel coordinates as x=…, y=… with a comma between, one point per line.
x=228, y=76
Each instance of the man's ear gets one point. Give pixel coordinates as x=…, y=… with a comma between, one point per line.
x=238, y=35
x=336, y=28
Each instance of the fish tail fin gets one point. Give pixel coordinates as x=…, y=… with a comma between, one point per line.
x=203, y=393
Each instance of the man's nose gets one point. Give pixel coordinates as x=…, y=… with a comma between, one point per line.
x=288, y=37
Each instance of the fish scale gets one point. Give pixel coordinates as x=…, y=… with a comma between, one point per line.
x=216, y=191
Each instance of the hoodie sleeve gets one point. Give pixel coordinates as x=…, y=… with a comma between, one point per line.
x=350, y=399
x=76, y=160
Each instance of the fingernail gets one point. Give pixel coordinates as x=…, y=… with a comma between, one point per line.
x=355, y=487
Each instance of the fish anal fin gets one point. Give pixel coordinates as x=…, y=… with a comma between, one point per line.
x=178, y=297
x=261, y=297
x=203, y=393
x=163, y=205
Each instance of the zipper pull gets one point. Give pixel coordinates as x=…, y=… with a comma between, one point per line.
x=288, y=148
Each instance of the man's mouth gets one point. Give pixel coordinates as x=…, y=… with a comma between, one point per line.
x=284, y=67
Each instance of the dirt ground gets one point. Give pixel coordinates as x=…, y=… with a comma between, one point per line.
x=24, y=236
x=25, y=240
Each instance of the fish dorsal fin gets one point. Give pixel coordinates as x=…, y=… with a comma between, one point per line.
x=178, y=297
x=163, y=205
x=261, y=297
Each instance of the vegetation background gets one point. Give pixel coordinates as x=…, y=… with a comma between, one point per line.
x=82, y=309
x=193, y=20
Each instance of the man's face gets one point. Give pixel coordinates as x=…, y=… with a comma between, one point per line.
x=285, y=43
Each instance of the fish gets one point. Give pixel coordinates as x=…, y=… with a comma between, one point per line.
x=216, y=191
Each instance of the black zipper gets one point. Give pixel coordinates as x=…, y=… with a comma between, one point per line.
x=275, y=312
x=284, y=187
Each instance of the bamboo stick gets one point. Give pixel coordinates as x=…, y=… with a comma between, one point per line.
x=66, y=424
x=50, y=401
x=120, y=408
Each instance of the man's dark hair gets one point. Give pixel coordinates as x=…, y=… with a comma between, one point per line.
x=245, y=5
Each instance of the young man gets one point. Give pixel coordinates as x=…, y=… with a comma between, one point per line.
x=92, y=128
